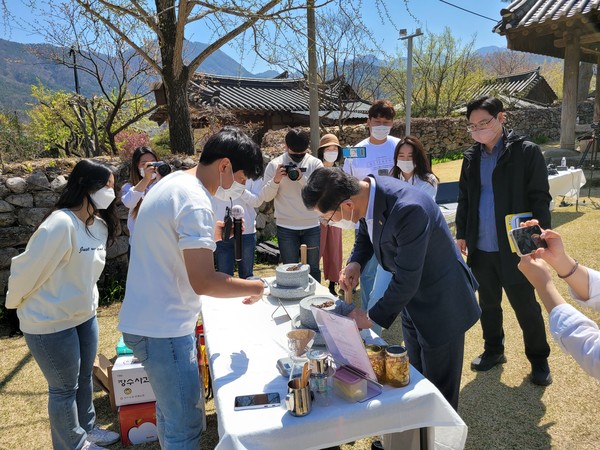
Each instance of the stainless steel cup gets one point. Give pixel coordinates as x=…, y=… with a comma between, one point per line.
x=298, y=400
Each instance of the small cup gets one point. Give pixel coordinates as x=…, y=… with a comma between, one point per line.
x=299, y=398
x=322, y=386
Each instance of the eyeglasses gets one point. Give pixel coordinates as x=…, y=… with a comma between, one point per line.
x=479, y=125
x=325, y=221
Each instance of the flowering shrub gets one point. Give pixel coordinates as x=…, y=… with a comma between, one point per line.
x=128, y=140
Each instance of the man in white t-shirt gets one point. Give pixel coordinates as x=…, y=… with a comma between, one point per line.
x=379, y=160
x=171, y=266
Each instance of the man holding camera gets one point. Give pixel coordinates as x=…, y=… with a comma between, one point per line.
x=285, y=176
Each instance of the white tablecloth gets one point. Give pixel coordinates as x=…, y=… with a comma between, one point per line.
x=567, y=183
x=244, y=344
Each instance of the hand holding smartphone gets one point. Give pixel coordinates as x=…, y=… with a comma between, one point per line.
x=527, y=239
x=354, y=152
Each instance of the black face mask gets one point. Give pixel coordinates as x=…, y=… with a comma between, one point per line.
x=296, y=157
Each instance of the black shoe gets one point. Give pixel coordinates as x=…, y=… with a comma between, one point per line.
x=487, y=360
x=332, y=288
x=540, y=374
x=376, y=445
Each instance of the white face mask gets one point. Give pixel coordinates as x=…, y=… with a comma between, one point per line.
x=380, y=132
x=142, y=174
x=344, y=224
x=102, y=198
x=406, y=166
x=234, y=192
x=330, y=156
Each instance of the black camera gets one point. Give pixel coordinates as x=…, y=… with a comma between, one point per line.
x=162, y=168
x=293, y=171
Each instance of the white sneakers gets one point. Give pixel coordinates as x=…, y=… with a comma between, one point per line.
x=99, y=436
x=87, y=445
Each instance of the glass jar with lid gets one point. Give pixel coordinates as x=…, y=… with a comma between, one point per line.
x=397, y=368
x=376, y=355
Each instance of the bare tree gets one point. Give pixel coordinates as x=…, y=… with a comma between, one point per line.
x=166, y=21
x=507, y=62
x=444, y=73
x=348, y=70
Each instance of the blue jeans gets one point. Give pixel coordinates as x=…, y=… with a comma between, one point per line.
x=289, y=247
x=172, y=368
x=66, y=359
x=367, y=280
x=380, y=285
x=225, y=256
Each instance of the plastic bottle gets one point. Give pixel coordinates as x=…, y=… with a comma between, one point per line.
x=563, y=162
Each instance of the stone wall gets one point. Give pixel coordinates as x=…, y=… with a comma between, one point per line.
x=28, y=194
x=440, y=135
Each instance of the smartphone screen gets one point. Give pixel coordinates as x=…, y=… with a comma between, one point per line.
x=255, y=401
x=354, y=152
x=527, y=239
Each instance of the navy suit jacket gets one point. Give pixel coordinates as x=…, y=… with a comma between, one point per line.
x=431, y=283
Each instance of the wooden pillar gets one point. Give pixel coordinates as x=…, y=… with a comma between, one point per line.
x=597, y=96
x=570, y=80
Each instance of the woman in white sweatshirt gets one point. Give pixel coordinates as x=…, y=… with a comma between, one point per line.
x=52, y=285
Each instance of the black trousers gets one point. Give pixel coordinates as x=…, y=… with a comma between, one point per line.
x=487, y=270
x=442, y=365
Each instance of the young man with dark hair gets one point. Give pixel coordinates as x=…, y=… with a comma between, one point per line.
x=283, y=181
x=380, y=148
x=501, y=174
x=432, y=288
x=171, y=266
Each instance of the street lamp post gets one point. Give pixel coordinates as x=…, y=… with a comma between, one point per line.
x=403, y=36
x=88, y=152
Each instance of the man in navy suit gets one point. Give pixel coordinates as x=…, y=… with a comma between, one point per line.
x=432, y=288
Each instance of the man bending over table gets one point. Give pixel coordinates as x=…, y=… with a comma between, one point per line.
x=171, y=266
x=432, y=288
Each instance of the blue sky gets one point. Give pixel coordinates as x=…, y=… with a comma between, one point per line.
x=430, y=15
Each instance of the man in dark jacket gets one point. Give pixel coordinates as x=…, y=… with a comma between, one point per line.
x=432, y=289
x=502, y=174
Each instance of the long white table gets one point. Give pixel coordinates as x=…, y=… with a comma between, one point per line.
x=567, y=183
x=244, y=344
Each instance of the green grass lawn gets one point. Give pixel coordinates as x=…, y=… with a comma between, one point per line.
x=502, y=409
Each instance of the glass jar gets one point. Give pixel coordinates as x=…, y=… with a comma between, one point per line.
x=376, y=355
x=397, y=368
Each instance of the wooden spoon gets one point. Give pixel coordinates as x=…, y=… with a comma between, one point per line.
x=348, y=296
x=303, y=250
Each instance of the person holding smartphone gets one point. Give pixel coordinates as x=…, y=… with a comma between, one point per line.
x=501, y=174
x=575, y=333
x=379, y=160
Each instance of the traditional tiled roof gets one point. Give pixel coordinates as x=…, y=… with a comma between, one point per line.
x=259, y=96
x=537, y=26
x=262, y=94
x=525, y=13
x=528, y=86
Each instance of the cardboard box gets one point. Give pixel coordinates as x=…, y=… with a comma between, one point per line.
x=138, y=423
x=130, y=382
x=102, y=373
